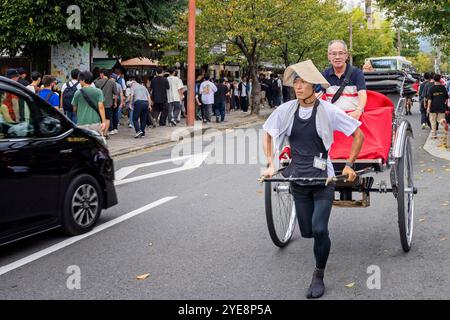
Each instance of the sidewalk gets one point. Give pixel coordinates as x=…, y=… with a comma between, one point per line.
x=436, y=147
x=124, y=142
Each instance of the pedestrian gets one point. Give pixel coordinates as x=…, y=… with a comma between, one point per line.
x=207, y=90
x=117, y=107
x=88, y=104
x=309, y=123
x=437, y=104
x=36, y=82
x=244, y=89
x=174, y=96
x=68, y=91
x=141, y=104
x=236, y=98
x=159, y=87
x=13, y=74
x=109, y=89
x=424, y=120
x=48, y=94
x=275, y=90
x=347, y=83
x=128, y=104
x=23, y=77
x=220, y=98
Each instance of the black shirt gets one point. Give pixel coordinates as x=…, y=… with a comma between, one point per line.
x=159, y=87
x=438, y=95
x=221, y=94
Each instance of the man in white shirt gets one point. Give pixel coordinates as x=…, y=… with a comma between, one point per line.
x=174, y=96
x=207, y=90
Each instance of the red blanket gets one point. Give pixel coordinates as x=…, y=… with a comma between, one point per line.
x=376, y=126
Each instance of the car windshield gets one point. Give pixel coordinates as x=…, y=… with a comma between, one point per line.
x=384, y=64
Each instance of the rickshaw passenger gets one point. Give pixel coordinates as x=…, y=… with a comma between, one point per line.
x=341, y=74
x=309, y=123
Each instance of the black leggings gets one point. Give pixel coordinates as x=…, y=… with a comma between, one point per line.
x=313, y=207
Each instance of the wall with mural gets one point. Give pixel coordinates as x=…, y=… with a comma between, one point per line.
x=65, y=58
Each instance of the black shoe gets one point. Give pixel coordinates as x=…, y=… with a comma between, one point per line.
x=317, y=287
x=217, y=119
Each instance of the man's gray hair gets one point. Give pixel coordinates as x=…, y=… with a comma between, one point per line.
x=337, y=41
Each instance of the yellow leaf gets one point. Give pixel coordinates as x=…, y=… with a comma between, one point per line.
x=444, y=204
x=444, y=238
x=448, y=170
x=259, y=191
x=350, y=285
x=430, y=170
x=422, y=220
x=143, y=277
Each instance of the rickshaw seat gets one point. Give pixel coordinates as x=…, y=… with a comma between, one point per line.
x=377, y=129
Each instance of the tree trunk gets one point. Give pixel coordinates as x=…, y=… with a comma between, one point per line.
x=256, y=97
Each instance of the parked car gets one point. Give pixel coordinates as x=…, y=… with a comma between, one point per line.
x=52, y=173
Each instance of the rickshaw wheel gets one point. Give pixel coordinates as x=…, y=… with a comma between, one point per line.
x=405, y=197
x=280, y=212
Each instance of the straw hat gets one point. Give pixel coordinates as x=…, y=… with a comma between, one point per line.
x=305, y=70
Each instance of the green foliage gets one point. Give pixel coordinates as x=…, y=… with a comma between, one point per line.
x=431, y=16
x=119, y=26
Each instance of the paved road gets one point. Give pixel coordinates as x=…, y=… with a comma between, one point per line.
x=211, y=242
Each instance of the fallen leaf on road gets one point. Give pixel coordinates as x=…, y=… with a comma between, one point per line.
x=444, y=238
x=150, y=244
x=422, y=165
x=259, y=191
x=421, y=161
x=448, y=170
x=421, y=220
x=350, y=285
x=143, y=277
x=429, y=170
x=433, y=160
x=444, y=204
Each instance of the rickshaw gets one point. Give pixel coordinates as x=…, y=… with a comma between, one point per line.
x=387, y=147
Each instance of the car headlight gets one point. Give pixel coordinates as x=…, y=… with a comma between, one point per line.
x=96, y=135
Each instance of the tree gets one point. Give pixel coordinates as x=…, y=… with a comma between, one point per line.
x=316, y=23
x=430, y=16
x=370, y=42
x=119, y=26
x=423, y=62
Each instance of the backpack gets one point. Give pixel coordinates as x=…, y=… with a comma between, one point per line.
x=68, y=95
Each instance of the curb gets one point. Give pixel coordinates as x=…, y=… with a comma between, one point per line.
x=431, y=148
x=122, y=152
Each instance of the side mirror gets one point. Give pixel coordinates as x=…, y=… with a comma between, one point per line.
x=49, y=127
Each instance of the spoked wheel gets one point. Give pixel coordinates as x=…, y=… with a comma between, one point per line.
x=405, y=197
x=280, y=212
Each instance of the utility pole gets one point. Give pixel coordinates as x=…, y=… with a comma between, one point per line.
x=399, y=43
x=190, y=120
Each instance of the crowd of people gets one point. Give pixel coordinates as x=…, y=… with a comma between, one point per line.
x=100, y=103
x=433, y=95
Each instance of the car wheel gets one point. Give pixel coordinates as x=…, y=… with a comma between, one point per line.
x=82, y=205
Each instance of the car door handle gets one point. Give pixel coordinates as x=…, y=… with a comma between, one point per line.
x=66, y=151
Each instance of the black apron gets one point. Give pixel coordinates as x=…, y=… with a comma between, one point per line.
x=305, y=145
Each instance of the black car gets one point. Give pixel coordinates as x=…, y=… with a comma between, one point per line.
x=52, y=173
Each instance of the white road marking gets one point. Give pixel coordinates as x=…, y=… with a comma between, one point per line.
x=72, y=240
x=125, y=171
x=194, y=161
